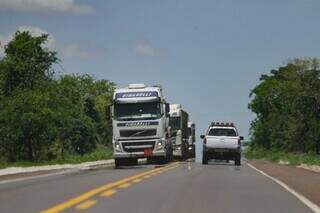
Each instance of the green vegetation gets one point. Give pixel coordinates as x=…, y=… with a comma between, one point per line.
x=98, y=154
x=45, y=117
x=287, y=105
x=277, y=156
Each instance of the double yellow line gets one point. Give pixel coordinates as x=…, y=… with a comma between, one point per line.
x=83, y=197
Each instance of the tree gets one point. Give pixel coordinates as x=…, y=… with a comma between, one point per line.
x=286, y=103
x=26, y=65
x=45, y=117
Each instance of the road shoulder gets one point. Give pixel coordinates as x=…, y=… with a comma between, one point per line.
x=302, y=181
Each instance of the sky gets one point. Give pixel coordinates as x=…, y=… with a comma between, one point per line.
x=207, y=54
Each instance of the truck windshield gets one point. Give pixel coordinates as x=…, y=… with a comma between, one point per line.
x=137, y=111
x=222, y=132
x=174, y=123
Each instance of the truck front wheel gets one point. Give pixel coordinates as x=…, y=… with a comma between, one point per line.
x=118, y=162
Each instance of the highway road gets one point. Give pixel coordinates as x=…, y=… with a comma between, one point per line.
x=179, y=187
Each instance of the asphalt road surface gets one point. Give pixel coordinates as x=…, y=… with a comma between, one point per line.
x=178, y=188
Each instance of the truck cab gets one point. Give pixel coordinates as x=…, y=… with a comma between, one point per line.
x=222, y=142
x=140, y=121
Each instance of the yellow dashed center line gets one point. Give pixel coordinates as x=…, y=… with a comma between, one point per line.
x=86, y=204
x=137, y=180
x=108, y=193
x=125, y=185
x=83, y=202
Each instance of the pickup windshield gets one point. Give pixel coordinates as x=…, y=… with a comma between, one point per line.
x=137, y=111
x=222, y=132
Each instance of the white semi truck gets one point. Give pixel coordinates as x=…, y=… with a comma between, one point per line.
x=179, y=131
x=140, y=120
x=192, y=139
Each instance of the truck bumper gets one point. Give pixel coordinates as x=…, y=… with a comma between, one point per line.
x=160, y=153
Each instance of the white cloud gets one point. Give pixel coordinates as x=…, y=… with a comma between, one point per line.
x=74, y=51
x=46, y=6
x=144, y=48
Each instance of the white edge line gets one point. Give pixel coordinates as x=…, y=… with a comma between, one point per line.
x=66, y=171
x=70, y=170
x=35, y=177
x=314, y=207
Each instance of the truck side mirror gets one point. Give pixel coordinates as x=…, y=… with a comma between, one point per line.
x=202, y=136
x=111, y=110
x=167, y=108
x=241, y=138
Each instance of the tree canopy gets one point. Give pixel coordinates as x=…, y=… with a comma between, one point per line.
x=287, y=105
x=44, y=116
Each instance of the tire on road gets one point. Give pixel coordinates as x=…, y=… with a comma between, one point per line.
x=167, y=158
x=204, y=158
x=118, y=162
x=237, y=160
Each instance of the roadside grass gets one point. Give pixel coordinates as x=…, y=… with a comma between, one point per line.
x=98, y=154
x=277, y=156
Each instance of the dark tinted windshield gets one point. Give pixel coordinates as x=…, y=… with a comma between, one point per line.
x=189, y=131
x=222, y=132
x=136, y=111
x=174, y=123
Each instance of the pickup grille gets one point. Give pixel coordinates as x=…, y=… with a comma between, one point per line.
x=138, y=133
x=138, y=146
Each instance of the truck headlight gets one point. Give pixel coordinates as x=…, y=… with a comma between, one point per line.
x=117, y=146
x=160, y=144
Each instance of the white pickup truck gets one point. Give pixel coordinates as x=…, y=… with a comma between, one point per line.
x=222, y=142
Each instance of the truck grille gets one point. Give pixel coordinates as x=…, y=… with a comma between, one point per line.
x=138, y=146
x=138, y=133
